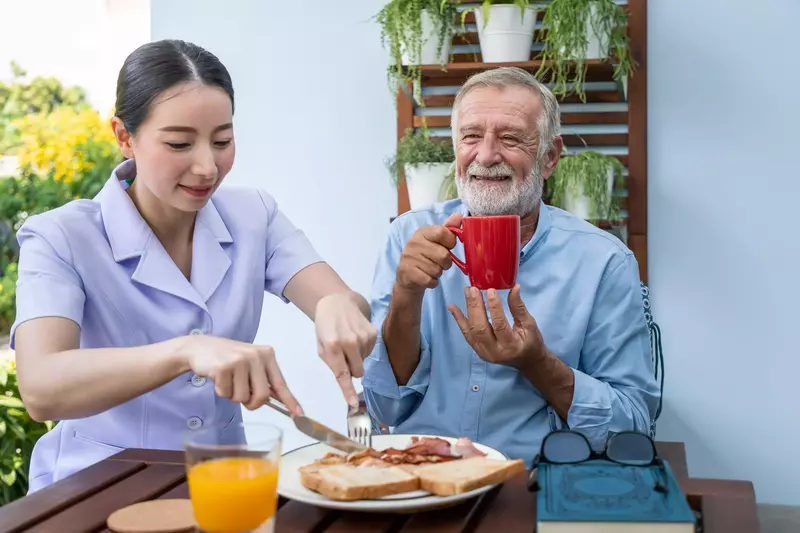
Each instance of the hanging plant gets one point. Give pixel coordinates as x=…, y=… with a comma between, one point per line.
x=587, y=175
x=402, y=33
x=568, y=24
x=417, y=148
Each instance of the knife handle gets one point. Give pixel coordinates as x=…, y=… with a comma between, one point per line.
x=275, y=404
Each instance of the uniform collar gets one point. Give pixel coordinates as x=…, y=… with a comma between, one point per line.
x=129, y=236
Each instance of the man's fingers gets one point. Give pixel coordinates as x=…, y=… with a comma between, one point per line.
x=337, y=361
x=454, y=220
x=461, y=320
x=479, y=326
x=499, y=322
x=279, y=387
x=518, y=309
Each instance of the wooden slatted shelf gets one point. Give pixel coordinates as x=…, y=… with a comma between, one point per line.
x=615, y=122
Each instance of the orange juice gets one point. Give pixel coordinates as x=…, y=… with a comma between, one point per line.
x=234, y=494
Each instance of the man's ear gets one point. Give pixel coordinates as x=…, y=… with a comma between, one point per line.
x=123, y=137
x=552, y=157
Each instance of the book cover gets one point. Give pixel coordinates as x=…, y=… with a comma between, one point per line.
x=601, y=491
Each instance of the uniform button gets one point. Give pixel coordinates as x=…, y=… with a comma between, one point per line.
x=198, y=381
x=475, y=388
x=196, y=332
x=194, y=423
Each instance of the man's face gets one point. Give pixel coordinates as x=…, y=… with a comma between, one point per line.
x=496, y=151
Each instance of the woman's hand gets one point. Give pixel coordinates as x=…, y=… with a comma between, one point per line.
x=241, y=372
x=345, y=337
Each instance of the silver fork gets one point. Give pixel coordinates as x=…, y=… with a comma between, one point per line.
x=359, y=423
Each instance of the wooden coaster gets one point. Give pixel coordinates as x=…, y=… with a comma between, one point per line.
x=157, y=516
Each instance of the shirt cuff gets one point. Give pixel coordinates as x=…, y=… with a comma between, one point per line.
x=387, y=401
x=590, y=412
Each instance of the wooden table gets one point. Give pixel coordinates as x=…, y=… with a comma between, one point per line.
x=82, y=502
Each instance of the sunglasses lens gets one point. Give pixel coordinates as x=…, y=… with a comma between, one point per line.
x=566, y=448
x=630, y=448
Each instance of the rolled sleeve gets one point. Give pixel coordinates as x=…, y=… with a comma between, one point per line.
x=389, y=402
x=288, y=249
x=615, y=389
x=48, y=285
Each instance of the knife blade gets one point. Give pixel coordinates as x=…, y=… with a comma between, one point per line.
x=318, y=431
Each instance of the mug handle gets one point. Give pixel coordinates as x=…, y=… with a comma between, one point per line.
x=459, y=263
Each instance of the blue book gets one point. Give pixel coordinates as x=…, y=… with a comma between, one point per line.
x=600, y=496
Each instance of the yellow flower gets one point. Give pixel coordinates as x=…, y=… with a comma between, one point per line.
x=64, y=141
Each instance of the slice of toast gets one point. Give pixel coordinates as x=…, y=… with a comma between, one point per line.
x=348, y=482
x=457, y=477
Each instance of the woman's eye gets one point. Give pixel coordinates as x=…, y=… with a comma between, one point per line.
x=178, y=146
x=222, y=144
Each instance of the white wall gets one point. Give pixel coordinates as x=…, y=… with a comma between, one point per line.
x=723, y=244
x=313, y=121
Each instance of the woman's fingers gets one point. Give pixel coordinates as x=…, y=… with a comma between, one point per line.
x=259, y=385
x=278, y=385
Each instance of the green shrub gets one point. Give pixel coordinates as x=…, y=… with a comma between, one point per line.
x=18, y=433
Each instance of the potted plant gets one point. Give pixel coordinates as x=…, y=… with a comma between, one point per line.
x=449, y=187
x=416, y=32
x=578, y=30
x=425, y=163
x=505, y=29
x=583, y=184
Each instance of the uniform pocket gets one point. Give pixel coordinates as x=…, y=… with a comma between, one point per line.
x=90, y=440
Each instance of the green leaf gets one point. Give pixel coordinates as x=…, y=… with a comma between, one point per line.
x=9, y=477
x=11, y=402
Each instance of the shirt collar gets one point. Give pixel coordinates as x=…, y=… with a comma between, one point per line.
x=127, y=231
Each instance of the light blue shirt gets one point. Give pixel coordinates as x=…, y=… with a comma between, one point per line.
x=581, y=284
x=97, y=262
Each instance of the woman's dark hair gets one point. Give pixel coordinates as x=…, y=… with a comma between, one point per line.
x=155, y=67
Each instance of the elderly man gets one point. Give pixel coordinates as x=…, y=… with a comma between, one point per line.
x=571, y=347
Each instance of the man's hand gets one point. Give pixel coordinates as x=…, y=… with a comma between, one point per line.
x=517, y=345
x=426, y=256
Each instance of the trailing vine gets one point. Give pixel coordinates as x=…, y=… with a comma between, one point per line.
x=401, y=31
x=564, y=53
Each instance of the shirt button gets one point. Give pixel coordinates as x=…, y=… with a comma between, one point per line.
x=196, y=332
x=475, y=388
x=198, y=381
x=194, y=423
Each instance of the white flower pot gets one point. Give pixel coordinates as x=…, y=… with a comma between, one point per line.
x=507, y=36
x=424, y=183
x=430, y=42
x=580, y=205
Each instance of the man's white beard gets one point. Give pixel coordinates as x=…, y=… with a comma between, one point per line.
x=510, y=197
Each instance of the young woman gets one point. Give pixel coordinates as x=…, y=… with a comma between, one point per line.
x=136, y=310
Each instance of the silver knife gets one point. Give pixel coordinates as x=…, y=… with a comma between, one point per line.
x=318, y=431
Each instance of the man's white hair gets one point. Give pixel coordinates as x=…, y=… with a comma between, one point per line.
x=549, y=122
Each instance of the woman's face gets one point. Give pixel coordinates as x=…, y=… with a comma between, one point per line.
x=185, y=147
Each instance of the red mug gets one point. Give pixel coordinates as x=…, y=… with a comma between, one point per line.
x=491, y=250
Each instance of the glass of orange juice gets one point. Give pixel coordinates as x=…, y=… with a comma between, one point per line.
x=232, y=473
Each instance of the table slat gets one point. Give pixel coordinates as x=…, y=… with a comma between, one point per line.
x=150, y=456
x=350, y=522
x=513, y=510
x=447, y=520
x=91, y=513
x=41, y=505
x=729, y=514
x=296, y=517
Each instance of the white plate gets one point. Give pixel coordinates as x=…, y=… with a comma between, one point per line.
x=289, y=485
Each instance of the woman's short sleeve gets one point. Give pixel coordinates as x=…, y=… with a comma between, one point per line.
x=288, y=249
x=48, y=285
